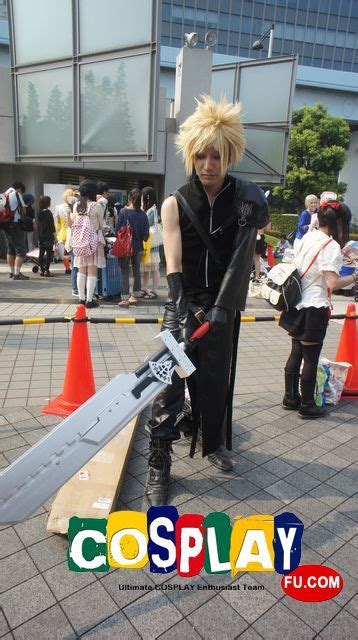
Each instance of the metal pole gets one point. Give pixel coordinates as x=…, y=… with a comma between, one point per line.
x=269, y=55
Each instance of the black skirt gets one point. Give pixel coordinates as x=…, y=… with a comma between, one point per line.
x=308, y=324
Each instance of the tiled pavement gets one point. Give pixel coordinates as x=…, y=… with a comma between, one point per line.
x=281, y=463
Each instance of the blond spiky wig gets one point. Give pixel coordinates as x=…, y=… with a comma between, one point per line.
x=67, y=193
x=212, y=126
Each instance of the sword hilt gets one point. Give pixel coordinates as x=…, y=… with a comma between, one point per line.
x=200, y=332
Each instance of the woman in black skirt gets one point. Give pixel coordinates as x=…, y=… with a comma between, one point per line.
x=307, y=323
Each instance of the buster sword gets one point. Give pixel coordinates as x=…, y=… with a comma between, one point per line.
x=29, y=481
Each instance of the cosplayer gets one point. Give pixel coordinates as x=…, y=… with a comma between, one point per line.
x=210, y=226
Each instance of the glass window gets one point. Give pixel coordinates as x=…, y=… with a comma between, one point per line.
x=176, y=29
x=225, y=5
x=308, y=49
x=274, y=81
x=322, y=20
x=342, y=23
x=301, y=17
x=269, y=13
x=223, y=21
x=291, y=15
x=45, y=112
x=37, y=28
x=3, y=9
x=166, y=11
x=297, y=47
x=348, y=55
x=235, y=23
x=280, y=14
x=338, y=54
x=222, y=36
x=345, y=7
x=222, y=84
x=246, y=25
x=245, y=40
x=118, y=25
x=165, y=28
x=330, y=37
x=319, y=50
x=114, y=105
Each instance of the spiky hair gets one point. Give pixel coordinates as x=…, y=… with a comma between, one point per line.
x=213, y=125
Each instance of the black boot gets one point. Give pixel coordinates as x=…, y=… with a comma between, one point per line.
x=220, y=459
x=291, y=399
x=156, y=488
x=309, y=410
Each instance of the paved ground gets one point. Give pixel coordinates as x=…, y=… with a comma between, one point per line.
x=281, y=463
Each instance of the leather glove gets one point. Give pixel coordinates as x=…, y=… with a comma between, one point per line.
x=216, y=316
x=187, y=322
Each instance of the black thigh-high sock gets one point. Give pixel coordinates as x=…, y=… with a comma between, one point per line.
x=293, y=363
x=311, y=355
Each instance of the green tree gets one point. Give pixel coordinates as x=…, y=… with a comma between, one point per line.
x=316, y=155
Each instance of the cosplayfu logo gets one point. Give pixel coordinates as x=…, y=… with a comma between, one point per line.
x=186, y=544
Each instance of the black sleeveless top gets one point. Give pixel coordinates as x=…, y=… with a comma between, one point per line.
x=200, y=272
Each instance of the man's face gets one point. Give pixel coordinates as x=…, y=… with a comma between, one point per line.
x=208, y=168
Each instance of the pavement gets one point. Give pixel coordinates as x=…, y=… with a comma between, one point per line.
x=281, y=463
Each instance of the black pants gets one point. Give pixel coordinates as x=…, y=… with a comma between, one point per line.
x=45, y=255
x=208, y=385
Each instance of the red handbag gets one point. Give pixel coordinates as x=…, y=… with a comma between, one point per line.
x=123, y=245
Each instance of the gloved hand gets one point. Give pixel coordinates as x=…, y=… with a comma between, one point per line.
x=187, y=322
x=216, y=316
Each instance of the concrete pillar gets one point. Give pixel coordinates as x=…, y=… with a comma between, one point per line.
x=193, y=78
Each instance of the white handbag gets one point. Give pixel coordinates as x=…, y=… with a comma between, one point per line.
x=156, y=231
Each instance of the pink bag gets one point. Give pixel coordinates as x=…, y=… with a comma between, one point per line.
x=84, y=235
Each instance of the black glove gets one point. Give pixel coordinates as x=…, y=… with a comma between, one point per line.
x=216, y=316
x=187, y=322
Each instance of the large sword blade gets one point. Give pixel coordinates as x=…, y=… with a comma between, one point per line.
x=39, y=472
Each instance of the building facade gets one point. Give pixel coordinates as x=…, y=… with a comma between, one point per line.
x=23, y=152
x=322, y=32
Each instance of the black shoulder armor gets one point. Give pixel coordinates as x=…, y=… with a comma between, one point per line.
x=252, y=204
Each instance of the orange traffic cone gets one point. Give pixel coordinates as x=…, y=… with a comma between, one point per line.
x=79, y=381
x=66, y=264
x=348, y=350
x=270, y=256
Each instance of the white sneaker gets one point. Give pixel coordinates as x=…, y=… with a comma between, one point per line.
x=75, y=294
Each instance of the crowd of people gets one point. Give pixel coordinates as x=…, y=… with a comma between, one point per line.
x=90, y=209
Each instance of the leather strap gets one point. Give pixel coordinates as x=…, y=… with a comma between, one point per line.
x=316, y=256
x=199, y=228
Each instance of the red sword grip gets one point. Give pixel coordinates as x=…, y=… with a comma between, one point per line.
x=199, y=333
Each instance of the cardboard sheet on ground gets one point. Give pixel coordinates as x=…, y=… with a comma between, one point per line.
x=93, y=490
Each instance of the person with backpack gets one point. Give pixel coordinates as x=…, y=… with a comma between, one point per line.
x=138, y=221
x=46, y=233
x=318, y=257
x=88, y=241
x=14, y=233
